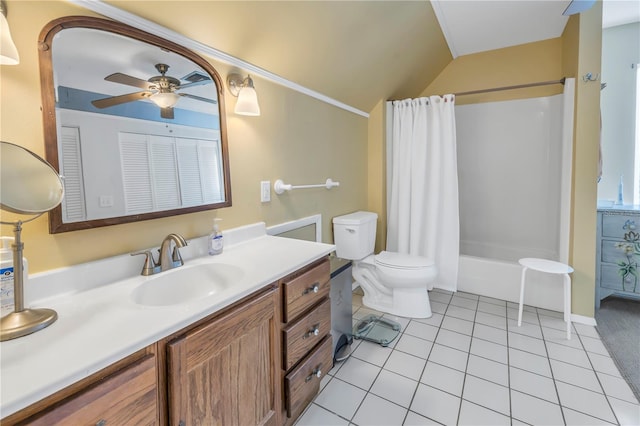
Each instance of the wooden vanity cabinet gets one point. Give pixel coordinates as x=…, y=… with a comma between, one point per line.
x=258, y=361
x=125, y=393
x=226, y=371
x=307, y=346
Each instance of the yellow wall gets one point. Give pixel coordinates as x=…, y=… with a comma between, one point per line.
x=583, y=54
x=527, y=63
x=376, y=172
x=297, y=139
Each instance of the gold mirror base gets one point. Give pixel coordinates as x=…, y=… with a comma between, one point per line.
x=27, y=321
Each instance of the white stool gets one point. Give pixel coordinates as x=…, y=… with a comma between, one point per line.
x=550, y=267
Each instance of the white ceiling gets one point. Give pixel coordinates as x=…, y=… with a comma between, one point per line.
x=472, y=26
x=620, y=12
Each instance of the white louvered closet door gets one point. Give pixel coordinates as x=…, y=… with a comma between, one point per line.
x=210, y=159
x=73, y=205
x=164, y=172
x=136, y=176
x=189, y=172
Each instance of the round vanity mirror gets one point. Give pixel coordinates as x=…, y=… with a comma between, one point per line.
x=29, y=185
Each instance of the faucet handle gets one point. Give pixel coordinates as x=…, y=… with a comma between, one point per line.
x=176, y=257
x=149, y=264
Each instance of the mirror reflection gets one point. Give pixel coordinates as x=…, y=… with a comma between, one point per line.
x=138, y=125
x=28, y=185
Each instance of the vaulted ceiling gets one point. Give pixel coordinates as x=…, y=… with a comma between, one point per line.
x=357, y=52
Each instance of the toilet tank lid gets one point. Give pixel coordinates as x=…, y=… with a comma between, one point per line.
x=404, y=261
x=355, y=218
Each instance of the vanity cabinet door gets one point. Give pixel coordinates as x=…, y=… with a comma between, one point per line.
x=226, y=372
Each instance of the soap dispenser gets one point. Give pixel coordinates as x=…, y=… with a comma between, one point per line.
x=215, y=239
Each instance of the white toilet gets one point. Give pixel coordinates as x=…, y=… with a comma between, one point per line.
x=392, y=282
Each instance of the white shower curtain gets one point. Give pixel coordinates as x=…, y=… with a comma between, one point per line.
x=422, y=217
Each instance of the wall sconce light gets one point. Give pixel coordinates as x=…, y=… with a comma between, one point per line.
x=242, y=88
x=8, y=52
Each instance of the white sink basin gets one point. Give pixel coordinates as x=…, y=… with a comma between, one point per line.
x=186, y=283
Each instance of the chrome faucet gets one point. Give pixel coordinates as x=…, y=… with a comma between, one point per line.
x=166, y=261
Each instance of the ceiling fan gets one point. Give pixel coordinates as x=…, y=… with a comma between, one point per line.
x=160, y=89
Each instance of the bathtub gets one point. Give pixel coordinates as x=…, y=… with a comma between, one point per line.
x=501, y=280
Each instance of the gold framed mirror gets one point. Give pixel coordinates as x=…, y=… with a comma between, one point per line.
x=134, y=123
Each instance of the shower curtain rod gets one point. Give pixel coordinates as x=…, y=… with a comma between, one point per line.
x=518, y=86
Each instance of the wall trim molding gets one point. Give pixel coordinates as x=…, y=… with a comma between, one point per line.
x=581, y=319
x=136, y=21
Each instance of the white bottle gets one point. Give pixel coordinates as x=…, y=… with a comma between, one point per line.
x=7, y=301
x=216, y=241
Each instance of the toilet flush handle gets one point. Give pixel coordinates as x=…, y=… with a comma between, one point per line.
x=350, y=230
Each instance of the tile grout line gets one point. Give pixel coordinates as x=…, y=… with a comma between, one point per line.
x=606, y=396
x=555, y=385
x=466, y=367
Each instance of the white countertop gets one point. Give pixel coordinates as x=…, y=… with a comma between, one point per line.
x=100, y=325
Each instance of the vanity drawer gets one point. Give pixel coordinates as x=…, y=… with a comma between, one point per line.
x=299, y=337
x=303, y=291
x=128, y=397
x=303, y=383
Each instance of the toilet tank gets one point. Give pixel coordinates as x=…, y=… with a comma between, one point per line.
x=354, y=235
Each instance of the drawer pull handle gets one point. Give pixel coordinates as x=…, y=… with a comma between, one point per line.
x=312, y=332
x=313, y=289
x=101, y=422
x=315, y=373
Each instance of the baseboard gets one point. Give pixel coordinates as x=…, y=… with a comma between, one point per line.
x=580, y=319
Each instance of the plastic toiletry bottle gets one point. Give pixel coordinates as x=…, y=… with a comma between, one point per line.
x=620, y=200
x=216, y=240
x=7, y=301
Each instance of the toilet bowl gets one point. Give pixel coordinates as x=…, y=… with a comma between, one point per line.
x=394, y=283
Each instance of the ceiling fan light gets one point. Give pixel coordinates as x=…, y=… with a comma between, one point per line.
x=165, y=100
x=247, y=103
x=8, y=52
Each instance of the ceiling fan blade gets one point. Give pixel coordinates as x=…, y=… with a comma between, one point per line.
x=166, y=113
x=198, y=98
x=118, y=77
x=117, y=100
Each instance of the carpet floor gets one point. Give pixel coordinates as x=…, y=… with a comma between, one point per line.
x=618, y=322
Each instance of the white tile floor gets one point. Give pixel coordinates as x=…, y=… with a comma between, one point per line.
x=470, y=364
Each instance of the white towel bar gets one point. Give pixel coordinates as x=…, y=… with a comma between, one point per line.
x=280, y=187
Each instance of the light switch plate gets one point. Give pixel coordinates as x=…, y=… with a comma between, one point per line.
x=106, y=201
x=265, y=191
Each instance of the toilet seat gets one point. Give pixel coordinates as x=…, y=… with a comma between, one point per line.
x=393, y=260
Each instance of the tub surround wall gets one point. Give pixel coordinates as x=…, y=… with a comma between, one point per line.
x=510, y=161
